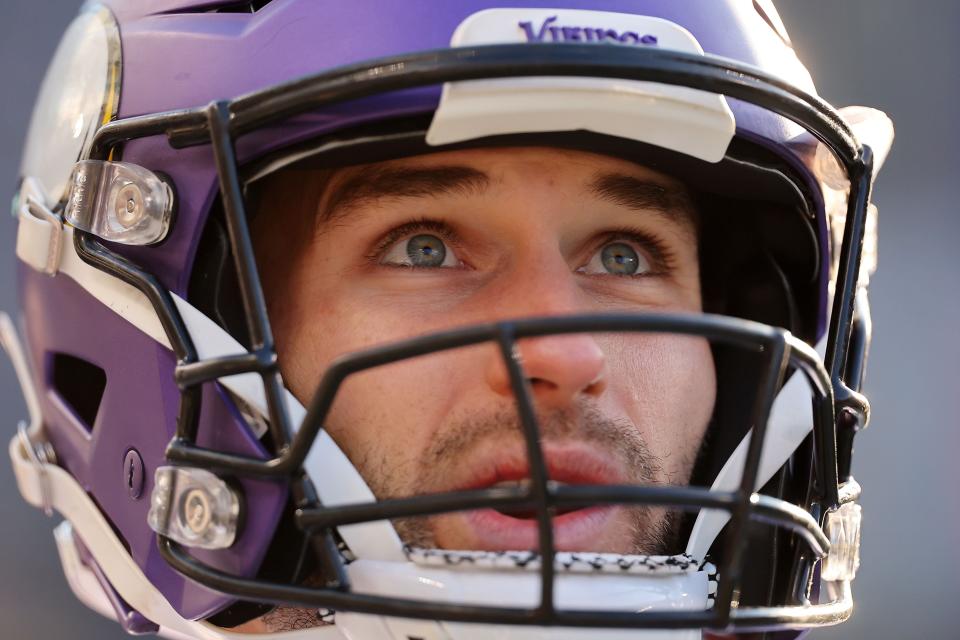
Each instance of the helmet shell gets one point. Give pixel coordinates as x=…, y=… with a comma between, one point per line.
x=181, y=54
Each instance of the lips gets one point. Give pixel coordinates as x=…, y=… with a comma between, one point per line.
x=604, y=528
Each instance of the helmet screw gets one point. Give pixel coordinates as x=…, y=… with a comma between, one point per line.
x=197, y=510
x=128, y=206
x=133, y=473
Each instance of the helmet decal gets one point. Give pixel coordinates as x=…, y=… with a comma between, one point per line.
x=692, y=122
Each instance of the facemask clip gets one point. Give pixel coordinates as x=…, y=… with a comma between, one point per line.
x=194, y=507
x=119, y=202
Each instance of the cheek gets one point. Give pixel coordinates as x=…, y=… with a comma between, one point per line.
x=667, y=386
x=386, y=417
x=321, y=324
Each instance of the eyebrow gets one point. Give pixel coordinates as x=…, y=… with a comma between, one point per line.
x=672, y=204
x=374, y=183
x=371, y=184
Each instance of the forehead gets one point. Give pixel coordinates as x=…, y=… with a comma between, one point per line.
x=543, y=164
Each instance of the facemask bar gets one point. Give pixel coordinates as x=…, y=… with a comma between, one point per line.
x=223, y=122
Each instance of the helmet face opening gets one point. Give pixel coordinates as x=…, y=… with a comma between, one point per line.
x=248, y=463
x=758, y=216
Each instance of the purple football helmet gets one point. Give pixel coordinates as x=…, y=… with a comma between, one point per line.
x=198, y=493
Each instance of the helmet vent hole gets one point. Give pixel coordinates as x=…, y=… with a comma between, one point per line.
x=223, y=6
x=80, y=384
x=244, y=7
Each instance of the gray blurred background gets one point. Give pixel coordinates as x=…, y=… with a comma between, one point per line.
x=901, y=57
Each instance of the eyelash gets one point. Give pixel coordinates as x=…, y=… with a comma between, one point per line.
x=661, y=256
x=658, y=251
x=407, y=229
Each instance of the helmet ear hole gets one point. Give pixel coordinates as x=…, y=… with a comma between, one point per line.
x=80, y=384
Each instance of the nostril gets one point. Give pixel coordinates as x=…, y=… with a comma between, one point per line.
x=597, y=385
x=541, y=383
x=557, y=368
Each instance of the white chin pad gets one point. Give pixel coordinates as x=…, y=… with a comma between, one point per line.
x=651, y=583
x=689, y=121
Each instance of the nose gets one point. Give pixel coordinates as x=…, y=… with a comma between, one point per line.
x=558, y=368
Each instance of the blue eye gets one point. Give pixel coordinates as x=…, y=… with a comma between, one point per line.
x=424, y=250
x=619, y=259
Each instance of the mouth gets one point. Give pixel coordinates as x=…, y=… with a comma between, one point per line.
x=595, y=528
x=522, y=513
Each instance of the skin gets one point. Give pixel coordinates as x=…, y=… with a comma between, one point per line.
x=525, y=242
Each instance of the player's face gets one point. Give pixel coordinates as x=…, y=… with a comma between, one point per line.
x=377, y=253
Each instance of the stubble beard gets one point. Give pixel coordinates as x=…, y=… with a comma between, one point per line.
x=652, y=530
